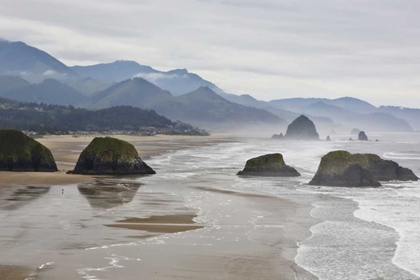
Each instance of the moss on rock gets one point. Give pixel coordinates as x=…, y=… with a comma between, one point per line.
x=269, y=165
x=110, y=156
x=18, y=152
x=341, y=168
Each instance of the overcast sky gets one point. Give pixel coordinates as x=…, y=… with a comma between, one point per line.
x=270, y=49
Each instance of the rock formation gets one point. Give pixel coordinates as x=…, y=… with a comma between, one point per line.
x=302, y=128
x=328, y=138
x=110, y=156
x=277, y=136
x=19, y=152
x=341, y=168
x=338, y=169
x=355, y=131
x=268, y=165
x=362, y=136
x=384, y=170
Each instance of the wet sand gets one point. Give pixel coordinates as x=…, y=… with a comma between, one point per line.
x=105, y=228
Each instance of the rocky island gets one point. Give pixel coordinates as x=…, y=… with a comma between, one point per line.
x=302, y=128
x=269, y=165
x=277, y=136
x=362, y=136
x=19, y=152
x=110, y=156
x=343, y=169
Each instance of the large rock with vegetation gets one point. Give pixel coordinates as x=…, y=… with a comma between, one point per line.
x=19, y=152
x=269, y=165
x=302, y=128
x=110, y=156
x=341, y=168
x=338, y=169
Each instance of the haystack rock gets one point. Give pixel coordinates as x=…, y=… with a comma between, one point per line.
x=328, y=138
x=269, y=165
x=19, y=152
x=302, y=128
x=343, y=169
x=362, y=136
x=110, y=156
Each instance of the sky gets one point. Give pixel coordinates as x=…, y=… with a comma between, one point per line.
x=270, y=49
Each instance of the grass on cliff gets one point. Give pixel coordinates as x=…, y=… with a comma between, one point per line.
x=337, y=161
x=271, y=160
x=16, y=145
x=106, y=148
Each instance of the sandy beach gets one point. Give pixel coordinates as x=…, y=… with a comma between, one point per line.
x=66, y=150
x=164, y=226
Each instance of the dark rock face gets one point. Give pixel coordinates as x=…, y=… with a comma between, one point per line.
x=277, y=136
x=362, y=136
x=355, y=131
x=110, y=156
x=302, y=128
x=19, y=152
x=340, y=168
x=269, y=165
x=328, y=138
x=384, y=170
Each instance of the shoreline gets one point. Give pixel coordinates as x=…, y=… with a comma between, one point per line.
x=291, y=225
x=66, y=150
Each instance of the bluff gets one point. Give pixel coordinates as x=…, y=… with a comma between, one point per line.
x=269, y=165
x=110, y=156
x=302, y=128
x=341, y=168
x=19, y=152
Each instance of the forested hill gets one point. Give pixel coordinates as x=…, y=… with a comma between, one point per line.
x=53, y=119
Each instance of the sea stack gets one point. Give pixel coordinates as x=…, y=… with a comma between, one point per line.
x=19, y=152
x=362, y=136
x=302, y=128
x=343, y=169
x=338, y=169
x=269, y=165
x=277, y=136
x=110, y=156
x=328, y=138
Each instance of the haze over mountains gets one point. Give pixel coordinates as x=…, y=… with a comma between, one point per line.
x=31, y=75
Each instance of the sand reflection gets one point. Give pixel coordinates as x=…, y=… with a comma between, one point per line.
x=108, y=193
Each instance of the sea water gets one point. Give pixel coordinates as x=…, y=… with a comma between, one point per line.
x=363, y=233
x=359, y=233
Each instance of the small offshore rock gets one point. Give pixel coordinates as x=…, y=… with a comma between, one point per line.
x=269, y=165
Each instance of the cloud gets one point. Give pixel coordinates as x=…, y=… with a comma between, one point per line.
x=49, y=73
x=154, y=78
x=268, y=48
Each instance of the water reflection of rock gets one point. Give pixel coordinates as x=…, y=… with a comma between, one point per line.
x=22, y=196
x=109, y=193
